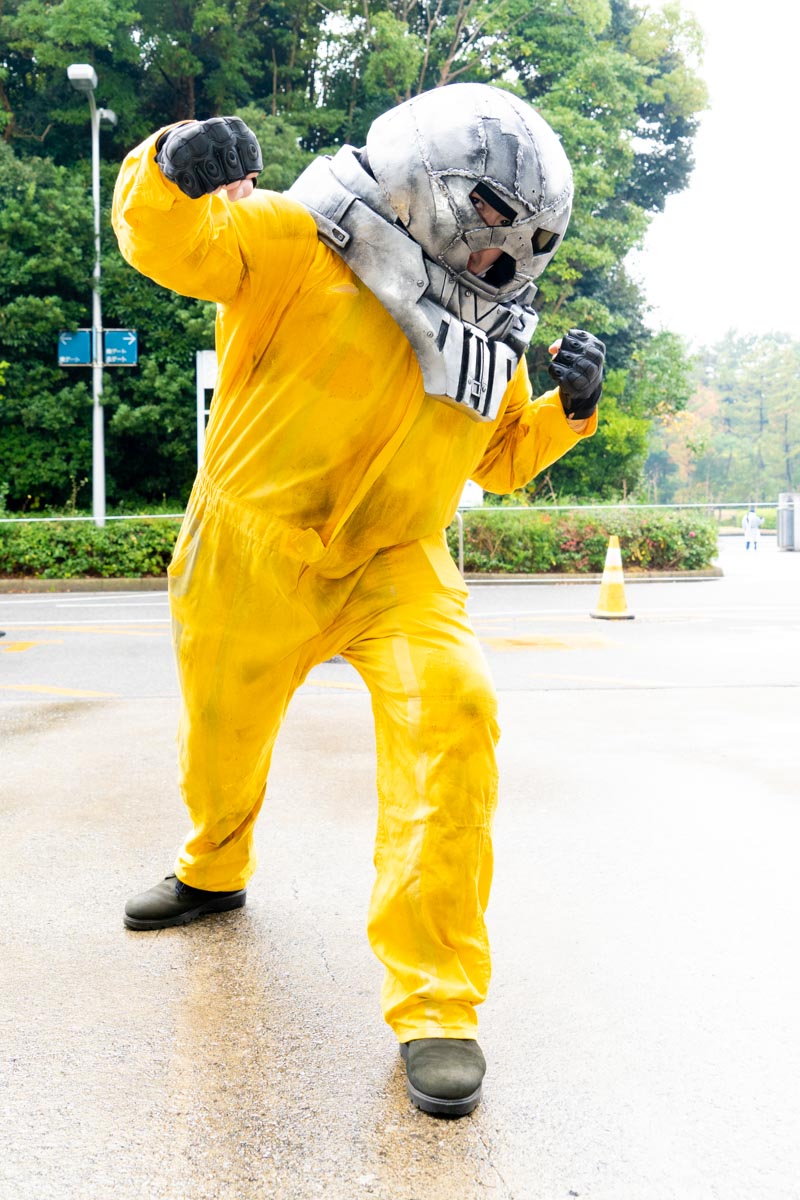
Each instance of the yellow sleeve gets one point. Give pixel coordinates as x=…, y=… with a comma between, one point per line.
x=205, y=248
x=530, y=436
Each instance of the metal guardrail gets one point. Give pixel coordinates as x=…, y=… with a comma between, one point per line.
x=710, y=507
x=125, y=517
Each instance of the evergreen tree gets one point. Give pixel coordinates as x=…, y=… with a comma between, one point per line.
x=739, y=439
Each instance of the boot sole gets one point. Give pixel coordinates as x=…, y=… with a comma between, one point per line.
x=440, y=1106
x=443, y=1108
x=224, y=904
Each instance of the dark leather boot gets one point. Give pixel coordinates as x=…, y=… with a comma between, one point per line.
x=174, y=903
x=445, y=1075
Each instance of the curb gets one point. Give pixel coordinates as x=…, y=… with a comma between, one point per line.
x=32, y=584
x=631, y=576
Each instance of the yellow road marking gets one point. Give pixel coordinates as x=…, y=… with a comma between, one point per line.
x=127, y=631
x=328, y=683
x=532, y=642
x=48, y=690
x=16, y=647
x=522, y=618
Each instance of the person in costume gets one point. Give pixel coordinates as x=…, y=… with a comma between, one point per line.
x=371, y=330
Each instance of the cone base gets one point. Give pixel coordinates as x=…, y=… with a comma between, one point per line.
x=612, y=616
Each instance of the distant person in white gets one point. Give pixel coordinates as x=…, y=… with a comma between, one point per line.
x=750, y=525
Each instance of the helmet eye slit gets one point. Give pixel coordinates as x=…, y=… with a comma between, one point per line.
x=490, y=207
x=543, y=241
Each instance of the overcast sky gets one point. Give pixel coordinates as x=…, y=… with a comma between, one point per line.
x=726, y=252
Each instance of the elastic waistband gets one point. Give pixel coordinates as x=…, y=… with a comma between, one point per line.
x=254, y=523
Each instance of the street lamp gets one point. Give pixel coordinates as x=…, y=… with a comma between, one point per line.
x=83, y=78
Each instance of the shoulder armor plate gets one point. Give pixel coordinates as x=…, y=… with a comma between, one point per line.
x=460, y=363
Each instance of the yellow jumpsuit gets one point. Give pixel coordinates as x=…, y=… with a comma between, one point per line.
x=315, y=528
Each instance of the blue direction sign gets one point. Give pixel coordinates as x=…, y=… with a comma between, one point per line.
x=120, y=348
x=75, y=349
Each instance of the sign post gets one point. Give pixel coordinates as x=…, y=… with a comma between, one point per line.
x=98, y=348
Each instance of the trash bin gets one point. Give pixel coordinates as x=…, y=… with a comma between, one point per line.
x=788, y=521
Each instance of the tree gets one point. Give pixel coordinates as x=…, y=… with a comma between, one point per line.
x=45, y=246
x=626, y=103
x=46, y=259
x=656, y=385
x=39, y=111
x=619, y=83
x=739, y=438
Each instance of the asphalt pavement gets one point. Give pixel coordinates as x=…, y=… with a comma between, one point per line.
x=641, y=1030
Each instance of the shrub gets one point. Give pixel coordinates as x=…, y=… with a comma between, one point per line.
x=62, y=550
x=539, y=542
x=496, y=540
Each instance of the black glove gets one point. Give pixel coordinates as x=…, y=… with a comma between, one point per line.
x=201, y=156
x=578, y=371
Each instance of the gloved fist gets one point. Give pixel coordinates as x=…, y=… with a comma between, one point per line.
x=202, y=156
x=578, y=371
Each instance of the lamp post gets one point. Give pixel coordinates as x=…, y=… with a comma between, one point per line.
x=83, y=78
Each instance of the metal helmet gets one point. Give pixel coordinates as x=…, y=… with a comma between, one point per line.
x=430, y=154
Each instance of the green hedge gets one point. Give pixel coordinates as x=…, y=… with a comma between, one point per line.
x=495, y=540
x=70, y=550
x=537, y=542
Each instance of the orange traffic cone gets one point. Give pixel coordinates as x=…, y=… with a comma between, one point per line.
x=611, y=606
